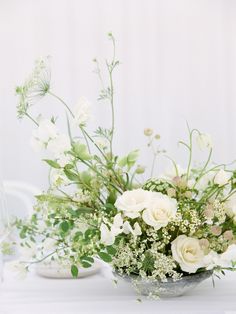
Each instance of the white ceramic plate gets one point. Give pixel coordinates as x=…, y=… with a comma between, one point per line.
x=53, y=269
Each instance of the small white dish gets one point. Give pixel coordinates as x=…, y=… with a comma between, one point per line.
x=53, y=269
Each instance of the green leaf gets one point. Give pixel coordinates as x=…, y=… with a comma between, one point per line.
x=105, y=257
x=87, y=258
x=52, y=163
x=111, y=250
x=81, y=151
x=74, y=271
x=71, y=175
x=77, y=236
x=86, y=264
x=64, y=226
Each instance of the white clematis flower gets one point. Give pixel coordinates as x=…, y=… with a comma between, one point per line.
x=133, y=202
x=82, y=112
x=204, y=141
x=222, y=177
x=161, y=210
x=188, y=253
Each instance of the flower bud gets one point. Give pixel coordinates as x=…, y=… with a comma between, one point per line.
x=188, y=194
x=209, y=212
x=157, y=136
x=204, y=243
x=216, y=230
x=228, y=235
x=140, y=169
x=171, y=192
x=148, y=132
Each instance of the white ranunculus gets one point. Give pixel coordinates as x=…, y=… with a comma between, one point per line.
x=204, y=141
x=136, y=230
x=59, y=145
x=107, y=237
x=43, y=134
x=82, y=112
x=222, y=177
x=161, y=210
x=188, y=253
x=133, y=202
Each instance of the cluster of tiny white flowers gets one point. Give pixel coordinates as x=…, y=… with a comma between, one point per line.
x=219, y=211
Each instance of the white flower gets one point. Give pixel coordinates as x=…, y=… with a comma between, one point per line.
x=173, y=171
x=63, y=160
x=222, y=177
x=107, y=236
x=133, y=202
x=59, y=145
x=82, y=112
x=161, y=210
x=229, y=256
x=205, y=180
x=41, y=136
x=230, y=205
x=136, y=230
x=18, y=268
x=58, y=178
x=211, y=260
x=188, y=253
x=117, y=225
x=204, y=141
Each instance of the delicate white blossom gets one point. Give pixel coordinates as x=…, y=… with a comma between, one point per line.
x=136, y=230
x=82, y=112
x=43, y=134
x=59, y=145
x=204, y=141
x=222, y=177
x=107, y=236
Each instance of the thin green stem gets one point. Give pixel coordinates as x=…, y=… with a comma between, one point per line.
x=62, y=101
x=32, y=119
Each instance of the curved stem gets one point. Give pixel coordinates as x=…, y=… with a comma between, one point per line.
x=62, y=101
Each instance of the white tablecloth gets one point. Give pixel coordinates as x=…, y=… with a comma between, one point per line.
x=97, y=294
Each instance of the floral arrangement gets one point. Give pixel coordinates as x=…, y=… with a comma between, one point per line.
x=168, y=226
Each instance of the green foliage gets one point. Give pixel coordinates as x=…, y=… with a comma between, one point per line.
x=52, y=163
x=74, y=271
x=105, y=257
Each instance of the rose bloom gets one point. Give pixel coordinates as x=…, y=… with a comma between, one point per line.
x=188, y=253
x=133, y=202
x=161, y=211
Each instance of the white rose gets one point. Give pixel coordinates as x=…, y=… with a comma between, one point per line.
x=204, y=141
x=211, y=260
x=188, y=253
x=82, y=112
x=161, y=210
x=222, y=177
x=133, y=202
x=107, y=237
x=59, y=145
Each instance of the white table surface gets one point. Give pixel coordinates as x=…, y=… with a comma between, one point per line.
x=97, y=294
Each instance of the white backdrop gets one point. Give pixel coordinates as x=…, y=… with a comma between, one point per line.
x=178, y=63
